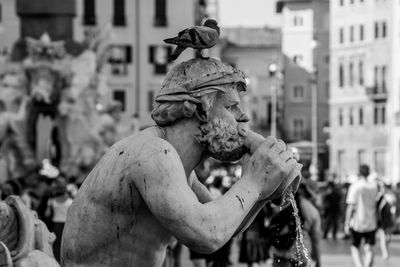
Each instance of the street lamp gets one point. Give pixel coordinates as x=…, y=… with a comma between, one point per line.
x=272, y=69
x=314, y=115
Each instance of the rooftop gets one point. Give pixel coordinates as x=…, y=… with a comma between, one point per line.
x=251, y=37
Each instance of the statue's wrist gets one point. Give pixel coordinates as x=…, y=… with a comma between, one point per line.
x=250, y=186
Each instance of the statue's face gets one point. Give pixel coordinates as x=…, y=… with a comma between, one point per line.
x=12, y=92
x=224, y=133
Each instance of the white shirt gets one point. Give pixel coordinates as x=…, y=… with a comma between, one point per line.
x=60, y=210
x=362, y=194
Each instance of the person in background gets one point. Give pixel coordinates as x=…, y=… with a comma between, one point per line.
x=332, y=209
x=386, y=218
x=57, y=208
x=396, y=229
x=361, y=222
x=254, y=249
x=282, y=231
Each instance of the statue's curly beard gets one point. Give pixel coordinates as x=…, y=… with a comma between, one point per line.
x=222, y=140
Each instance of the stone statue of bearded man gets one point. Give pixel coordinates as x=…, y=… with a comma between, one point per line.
x=143, y=194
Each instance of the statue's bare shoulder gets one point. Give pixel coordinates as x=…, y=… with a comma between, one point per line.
x=141, y=157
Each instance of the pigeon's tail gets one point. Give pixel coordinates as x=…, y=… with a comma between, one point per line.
x=173, y=40
x=175, y=54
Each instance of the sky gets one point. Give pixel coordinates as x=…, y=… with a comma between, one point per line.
x=248, y=13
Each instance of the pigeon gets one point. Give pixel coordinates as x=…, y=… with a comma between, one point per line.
x=197, y=37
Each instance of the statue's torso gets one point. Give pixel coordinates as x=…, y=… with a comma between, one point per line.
x=109, y=224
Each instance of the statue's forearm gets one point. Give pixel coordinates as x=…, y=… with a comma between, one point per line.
x=250, y=216
x=218, y=220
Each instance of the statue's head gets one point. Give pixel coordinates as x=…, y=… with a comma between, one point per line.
x=205, y=90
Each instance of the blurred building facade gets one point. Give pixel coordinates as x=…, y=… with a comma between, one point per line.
x=305, y=48
x=253, y=50
x=9, y=27
x=364, y=87
x=137, y=65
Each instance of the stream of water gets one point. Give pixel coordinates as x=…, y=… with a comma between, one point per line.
x=300, y=247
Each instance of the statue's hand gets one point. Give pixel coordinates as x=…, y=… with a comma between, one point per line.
x=271, y=167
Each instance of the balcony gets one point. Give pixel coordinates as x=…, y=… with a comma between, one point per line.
x=377, y=94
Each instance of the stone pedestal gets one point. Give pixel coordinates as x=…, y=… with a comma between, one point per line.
x=39, y=16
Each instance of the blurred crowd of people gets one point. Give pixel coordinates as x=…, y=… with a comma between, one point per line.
x=272, y=235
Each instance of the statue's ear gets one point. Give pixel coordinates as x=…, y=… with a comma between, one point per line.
x=188, y=109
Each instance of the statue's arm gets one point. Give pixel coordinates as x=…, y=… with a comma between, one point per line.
x=251, y=216
x=161, y=181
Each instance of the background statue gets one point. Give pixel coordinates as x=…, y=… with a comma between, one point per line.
x=24, y=239
x=72, y=91
x=17, y=155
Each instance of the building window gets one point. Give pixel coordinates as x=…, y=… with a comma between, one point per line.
x=298, y=93
x=383, y=69
x=341, y=75
x=89, y=12
x=341, y=35
x=341, y=160
x=298, y=128
x=298, y=59
x=254, y=117
x=351, y=119
x=119, y=59
x=120, y=96
x=351, y=34
x=340, y=119
x=341, y=2
x=327, y=90
x=158, y=55
x=297, y=20
x=376, y=79
x=361, y=116
x=376, y=27
x=384, y=29
x=150, y=100
x=351, y=74
x=361, y=32
x=119, y=18
x=379, y=161
x=361, y=73
x=326, y=59
x=160, y=13
x=361, y=157
x=380, y=114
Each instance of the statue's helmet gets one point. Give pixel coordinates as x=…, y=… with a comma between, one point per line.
x=192, y=79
